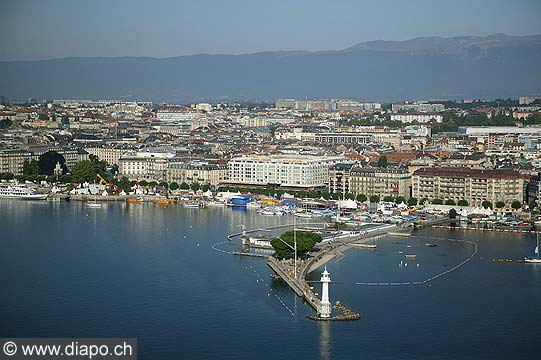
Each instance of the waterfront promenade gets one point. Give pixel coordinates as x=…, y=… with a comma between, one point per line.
x=285, y=269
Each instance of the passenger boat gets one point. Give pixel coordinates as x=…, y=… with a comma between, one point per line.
x=21, y=192
x=162, y=202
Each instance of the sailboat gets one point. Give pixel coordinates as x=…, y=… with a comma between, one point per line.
x=94, y=204
x=536, y=251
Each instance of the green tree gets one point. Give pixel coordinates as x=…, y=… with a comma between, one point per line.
x=400, y=200
x=100, y=166
x=83, y=171
x=312, y=194
x=486, y=204
x=462, y=202
x=6, y=176
x=361, y=197
x=516, y=204
x=195, y=186
x=30, y=168
x=47, y=162
x=336, y=196
x=500, y=204
x=437, y=201
x=388, y=198
x=5, y=123
x=164, y=184
x=124, y=184
x=173, y=186
x=382, y=161
x=374, y=199
x=306, y=241
x=412, y=201
x=350, y=196
x=452, y=214
x=326, y=195
x=450, y=202
x=205, y=187
x=423, y=201
x=185, y=186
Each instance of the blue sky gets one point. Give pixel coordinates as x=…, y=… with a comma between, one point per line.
x=43, y=29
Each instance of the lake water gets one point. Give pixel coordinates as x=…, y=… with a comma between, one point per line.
x=150, y=272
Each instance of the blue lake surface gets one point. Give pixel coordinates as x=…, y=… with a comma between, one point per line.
x=150, y=272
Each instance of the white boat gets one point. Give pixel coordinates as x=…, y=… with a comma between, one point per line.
x=21, y=192
x=216, y=203
x=93, y=205
x=253, y=205
x=191, y=205
x=534, y=260
x=304, y=214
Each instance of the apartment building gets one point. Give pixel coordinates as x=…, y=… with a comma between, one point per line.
x=196, y=172
x=108, y=154
x=298, y=171
x=474, y=186
x=339, y=176
x=379, y=181
x=421, y=118
x=11, y=161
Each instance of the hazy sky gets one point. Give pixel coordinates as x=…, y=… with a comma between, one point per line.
x=42, y=29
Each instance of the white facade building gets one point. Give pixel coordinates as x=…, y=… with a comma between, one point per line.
x=418, y=118
x=302, y=171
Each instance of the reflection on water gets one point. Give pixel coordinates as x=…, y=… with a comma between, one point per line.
x=325, y=350
x=150, y=272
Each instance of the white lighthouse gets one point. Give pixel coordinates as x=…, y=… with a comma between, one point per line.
x=325, y=310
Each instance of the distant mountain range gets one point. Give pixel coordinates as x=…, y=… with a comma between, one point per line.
x=423, y=68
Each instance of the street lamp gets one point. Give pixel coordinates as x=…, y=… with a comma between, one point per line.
x=294, y=248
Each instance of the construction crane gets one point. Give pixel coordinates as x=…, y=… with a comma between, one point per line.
x=102, y=180
x=442, y=142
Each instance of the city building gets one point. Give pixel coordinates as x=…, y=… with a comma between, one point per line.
x=421, y=118
x=196, y=172
x=339, y=178
x=11, y=161
x=418, y=107
x=148, y=164
x=379, y=181
x=295, y=171
x=474, y=186
x=108, y=154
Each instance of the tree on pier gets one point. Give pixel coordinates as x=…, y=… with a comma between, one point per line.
x=306, y=241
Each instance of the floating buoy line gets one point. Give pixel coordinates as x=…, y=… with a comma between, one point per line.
x=456, y=267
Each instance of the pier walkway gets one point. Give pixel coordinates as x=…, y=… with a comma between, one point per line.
x=285, y=268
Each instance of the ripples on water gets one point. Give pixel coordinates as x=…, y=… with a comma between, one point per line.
x=144, y=271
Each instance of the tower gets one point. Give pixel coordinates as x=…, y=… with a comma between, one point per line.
x=325, y=310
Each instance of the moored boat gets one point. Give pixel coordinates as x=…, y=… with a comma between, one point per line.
x=21, y=192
